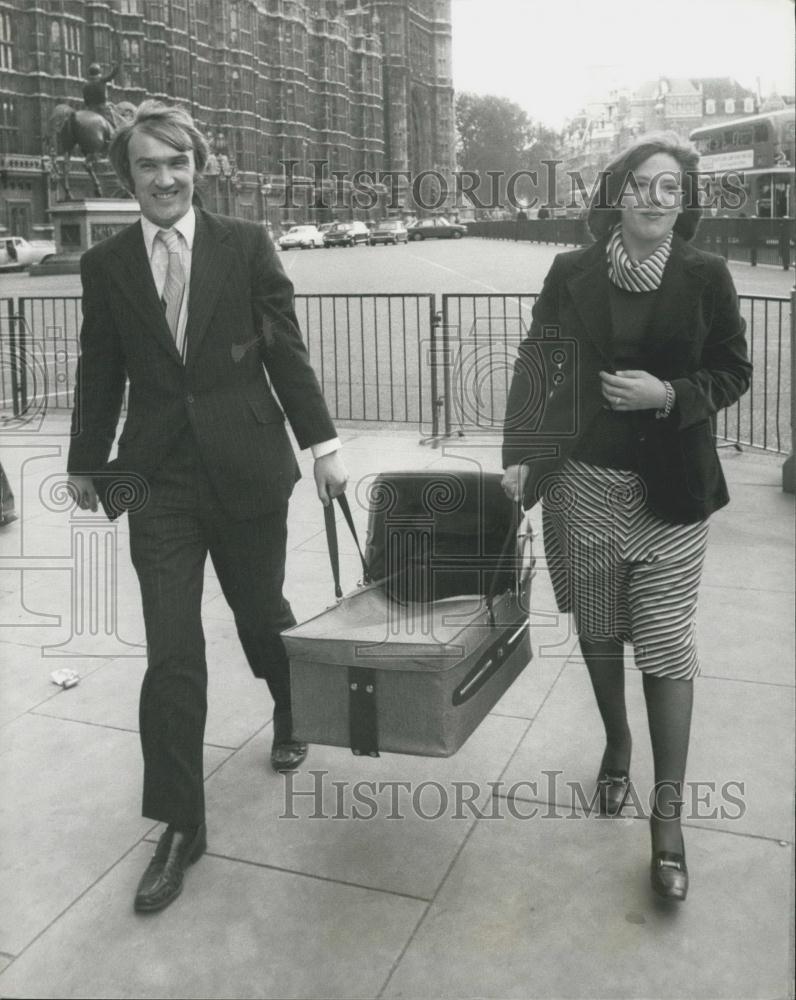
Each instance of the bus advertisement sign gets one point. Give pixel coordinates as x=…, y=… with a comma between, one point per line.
x=741, y=159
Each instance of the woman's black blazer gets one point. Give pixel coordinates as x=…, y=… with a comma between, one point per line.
x=695, y=341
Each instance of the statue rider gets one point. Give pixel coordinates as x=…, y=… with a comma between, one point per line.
x=95, y=97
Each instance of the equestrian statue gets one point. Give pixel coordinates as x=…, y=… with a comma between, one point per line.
x=89, y=128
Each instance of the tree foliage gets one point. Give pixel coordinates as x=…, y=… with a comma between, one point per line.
x=493, y=133
x=496, y=135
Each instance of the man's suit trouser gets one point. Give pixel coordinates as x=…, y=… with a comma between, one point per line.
x=169, y=543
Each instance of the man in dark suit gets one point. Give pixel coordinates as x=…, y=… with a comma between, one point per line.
x=197, y=313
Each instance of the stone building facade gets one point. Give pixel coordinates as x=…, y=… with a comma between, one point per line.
x=298, y=98
x=594, y=136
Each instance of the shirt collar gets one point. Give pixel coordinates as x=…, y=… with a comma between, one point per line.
x=186, y=227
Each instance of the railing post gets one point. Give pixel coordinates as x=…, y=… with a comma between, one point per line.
x=18, y=349
x=435, y=321
x=446, y=366
x=784, y=244
x=788, y=470
x=22, y=353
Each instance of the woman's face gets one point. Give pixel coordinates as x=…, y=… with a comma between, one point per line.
x=651, y=200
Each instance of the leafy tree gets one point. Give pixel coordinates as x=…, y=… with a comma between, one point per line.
x=495, y=135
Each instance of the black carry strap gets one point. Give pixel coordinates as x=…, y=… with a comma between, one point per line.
x=509, y=546
x=331, y=541
x=363, y=719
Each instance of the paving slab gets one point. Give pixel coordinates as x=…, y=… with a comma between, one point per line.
x=744, y=634
x=26, y=682
x=555, y=909
x=528, y=692
x=736, y=749
x=70, y=809
x=237, y=931
x=238, y=704
x=760, y=567
x=250, y=810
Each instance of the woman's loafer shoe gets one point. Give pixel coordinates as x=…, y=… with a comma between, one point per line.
x=669, y=875
x=612, y=791
x=162, y=881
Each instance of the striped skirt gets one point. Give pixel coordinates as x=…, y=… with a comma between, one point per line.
x=620, y=570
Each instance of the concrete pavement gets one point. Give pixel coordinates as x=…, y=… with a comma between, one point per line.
x=487, y=902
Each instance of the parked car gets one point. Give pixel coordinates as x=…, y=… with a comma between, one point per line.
x=346, y=234
x=301, y=237
x=388, y=231
x=16, y=253
x=436, y=228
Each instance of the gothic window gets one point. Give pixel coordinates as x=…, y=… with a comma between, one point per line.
x=179, y=15
x=181, y=71
x=156, y=67
x=204, y=83
x=131, y=75
x=9, y=127
x=66, y=49
x=155, y=11
x=6, y=42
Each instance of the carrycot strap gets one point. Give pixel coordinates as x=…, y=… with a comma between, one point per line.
x=331, y=541
x=509, y=547
x=363, y=724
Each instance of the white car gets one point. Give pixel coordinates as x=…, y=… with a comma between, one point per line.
x=303, y=237
x=16, y=253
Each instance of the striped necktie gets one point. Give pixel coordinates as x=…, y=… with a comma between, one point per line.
x=174, y=285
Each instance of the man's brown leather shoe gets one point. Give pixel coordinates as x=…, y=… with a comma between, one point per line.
x=286, y=753
x=161, y=883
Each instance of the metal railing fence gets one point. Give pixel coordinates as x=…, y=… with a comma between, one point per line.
x=367, y=351
x=480, y=335
x=395, y=358
x=754, y=241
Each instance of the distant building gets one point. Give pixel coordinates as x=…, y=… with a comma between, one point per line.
x=604, y=126
x=331, y=88
x=724, y=98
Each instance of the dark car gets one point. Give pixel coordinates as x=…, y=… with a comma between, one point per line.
x=388, y=231
x=346, y=234
x=436, y=228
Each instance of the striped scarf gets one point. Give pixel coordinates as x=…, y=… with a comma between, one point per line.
x=645, y=276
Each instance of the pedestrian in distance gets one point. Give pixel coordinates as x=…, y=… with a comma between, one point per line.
x=636, y=343
x=195, y=310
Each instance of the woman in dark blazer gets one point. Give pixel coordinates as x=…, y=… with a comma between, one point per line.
x=636, y=343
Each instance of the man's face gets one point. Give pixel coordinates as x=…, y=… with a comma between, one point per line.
x=163, y=178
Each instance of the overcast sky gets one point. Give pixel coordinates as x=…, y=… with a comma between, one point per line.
x=551, y=56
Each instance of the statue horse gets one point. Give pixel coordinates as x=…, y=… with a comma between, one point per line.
x=86, y=130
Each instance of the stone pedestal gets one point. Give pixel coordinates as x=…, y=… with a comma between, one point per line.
x=81, y=224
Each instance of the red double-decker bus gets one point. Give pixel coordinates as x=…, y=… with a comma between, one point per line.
x=760, y=150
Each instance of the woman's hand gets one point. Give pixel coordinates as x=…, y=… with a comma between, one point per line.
x=82, y=491
x=513, y=482
x=633, y=390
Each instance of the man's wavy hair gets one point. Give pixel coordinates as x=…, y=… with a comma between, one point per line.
x=170, y=124
x=613, y=180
